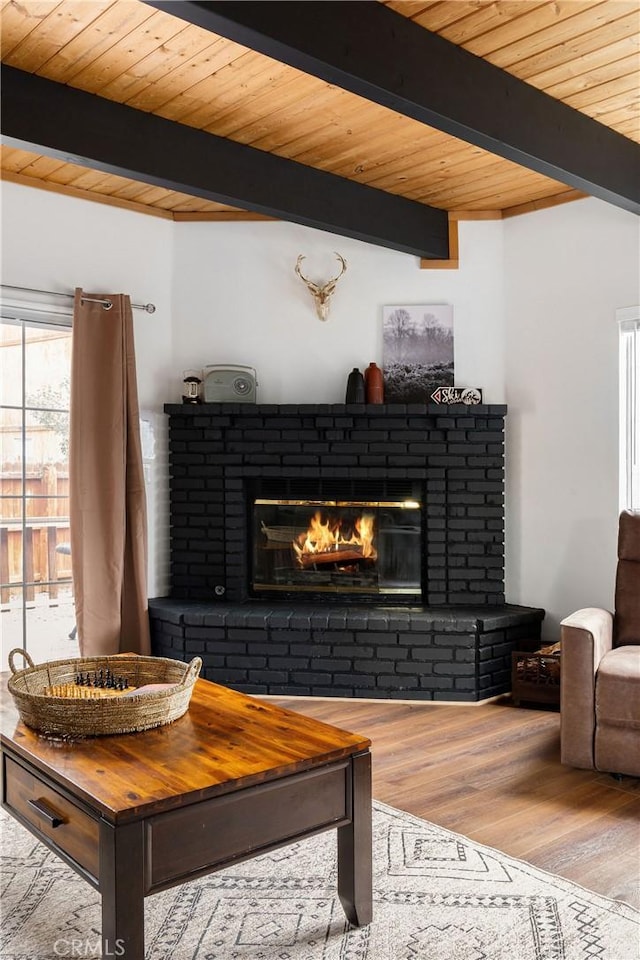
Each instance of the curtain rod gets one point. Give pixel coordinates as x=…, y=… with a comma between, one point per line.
x=107, y=304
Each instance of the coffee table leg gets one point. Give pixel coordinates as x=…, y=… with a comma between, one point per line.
x=122, y=889
x=354, y=847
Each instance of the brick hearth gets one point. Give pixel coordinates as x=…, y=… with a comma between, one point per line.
x=461, y=654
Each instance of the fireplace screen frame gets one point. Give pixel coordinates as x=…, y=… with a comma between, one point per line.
x=392, y=573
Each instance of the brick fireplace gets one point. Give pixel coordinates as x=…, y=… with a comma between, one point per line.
x=449, y=637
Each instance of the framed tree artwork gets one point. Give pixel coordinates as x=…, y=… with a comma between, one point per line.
x=418, y=351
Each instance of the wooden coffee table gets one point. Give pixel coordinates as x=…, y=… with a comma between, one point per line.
x=233, y=778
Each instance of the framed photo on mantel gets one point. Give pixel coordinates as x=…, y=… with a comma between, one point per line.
x=417, y=350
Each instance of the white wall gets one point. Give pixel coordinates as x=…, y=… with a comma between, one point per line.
x=238, y=300
x=53, y=242
x=567, y=269
x=534, y=313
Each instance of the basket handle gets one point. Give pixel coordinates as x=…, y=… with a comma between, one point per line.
x=192, y=671
x=24, y=653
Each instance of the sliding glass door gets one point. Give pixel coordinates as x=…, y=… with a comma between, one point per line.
x=36, y=591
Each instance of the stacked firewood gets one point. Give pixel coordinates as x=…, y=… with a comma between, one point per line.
x=540, y=667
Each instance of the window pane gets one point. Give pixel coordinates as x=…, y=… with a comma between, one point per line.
x=47, y=552
x=10, y=364
x=10, y=545
x=11, y=449
x=10, y=510
x=50, y=625
x=61, y=546
x=47, y=442
x=11, y=624
x=47, y=368
x=50, y=630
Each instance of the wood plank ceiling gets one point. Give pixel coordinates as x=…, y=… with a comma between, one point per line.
x=585, y=53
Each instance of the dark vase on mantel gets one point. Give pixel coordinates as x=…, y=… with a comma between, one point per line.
x=355, y=387
x=374, y=384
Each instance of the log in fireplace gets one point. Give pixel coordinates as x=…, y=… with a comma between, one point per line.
x=347, y=550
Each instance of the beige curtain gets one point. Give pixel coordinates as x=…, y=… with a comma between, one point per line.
x=106, y=489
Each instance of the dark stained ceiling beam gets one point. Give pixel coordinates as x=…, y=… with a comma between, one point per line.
x=59, y=121
x=371, y=50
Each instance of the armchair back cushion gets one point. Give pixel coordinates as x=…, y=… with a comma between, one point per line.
x=626, y=626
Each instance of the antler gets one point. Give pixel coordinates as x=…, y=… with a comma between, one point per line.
x=343, y=267
x=321, y=293
x=315, y=289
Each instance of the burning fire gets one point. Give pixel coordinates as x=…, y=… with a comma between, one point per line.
x=324, y=542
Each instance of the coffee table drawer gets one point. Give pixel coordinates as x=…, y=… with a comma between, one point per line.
x=53, y=816
x=241, y=824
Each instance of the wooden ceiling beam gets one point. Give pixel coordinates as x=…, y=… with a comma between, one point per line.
x=369, y=49
x=62, y=122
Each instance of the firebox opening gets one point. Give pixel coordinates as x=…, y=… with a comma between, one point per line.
x=334, y=546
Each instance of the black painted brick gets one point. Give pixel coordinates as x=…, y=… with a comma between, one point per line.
x=398, y=683
x=374, y=667
x=248, y=661
x=464, y=449
x=329, y=664
x=354, y=650
x=289, y=663
x=312, y=649
x=440, y=654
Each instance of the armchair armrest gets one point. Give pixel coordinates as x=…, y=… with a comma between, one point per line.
x=586, y=636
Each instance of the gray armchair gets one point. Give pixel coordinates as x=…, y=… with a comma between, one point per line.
x=600, y=678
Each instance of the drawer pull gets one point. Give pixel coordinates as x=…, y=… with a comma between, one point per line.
x=41, y=808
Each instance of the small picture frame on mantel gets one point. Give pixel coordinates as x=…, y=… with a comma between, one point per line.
x=467, y=395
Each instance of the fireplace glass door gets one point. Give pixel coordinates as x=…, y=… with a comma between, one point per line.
x=371, y=548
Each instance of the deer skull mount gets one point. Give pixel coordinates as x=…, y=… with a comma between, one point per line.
x=322, y=293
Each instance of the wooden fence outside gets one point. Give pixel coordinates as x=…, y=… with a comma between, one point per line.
x=37, y=551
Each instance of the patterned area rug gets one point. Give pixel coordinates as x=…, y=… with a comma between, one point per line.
x=437, y=896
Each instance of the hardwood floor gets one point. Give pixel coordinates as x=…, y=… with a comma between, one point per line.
x=493, y=773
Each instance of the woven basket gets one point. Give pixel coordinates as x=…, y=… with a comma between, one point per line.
x=69, y=717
